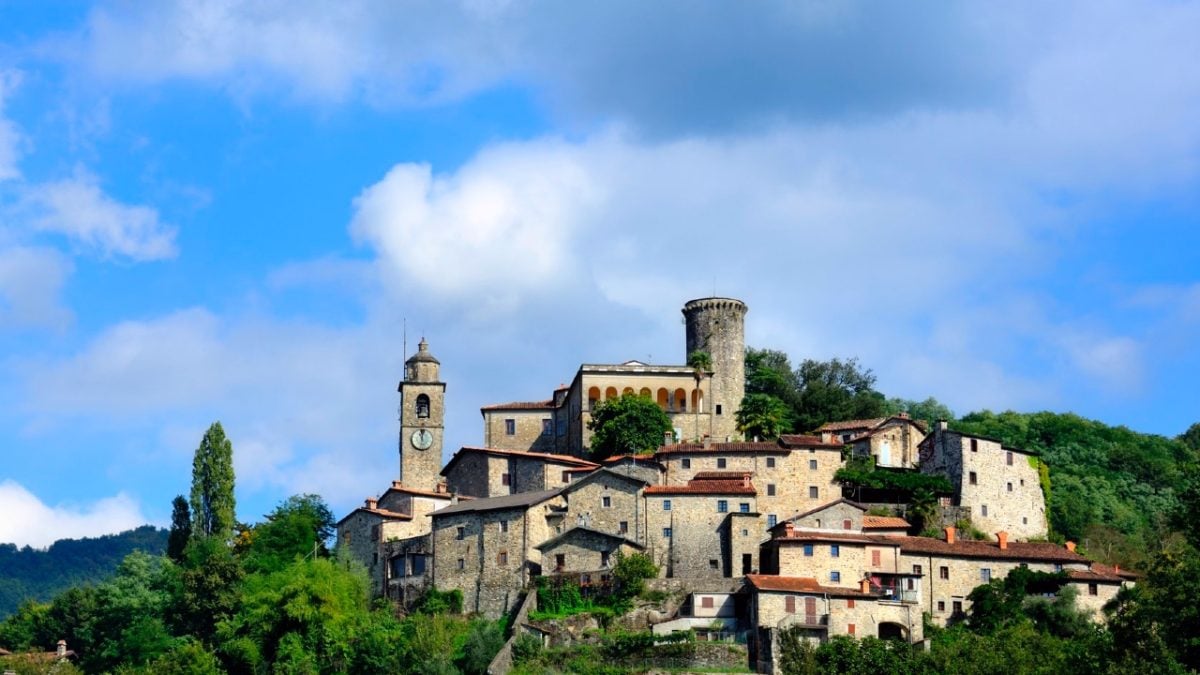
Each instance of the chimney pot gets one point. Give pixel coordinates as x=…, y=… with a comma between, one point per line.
x=745, y=480
x=61, y=651
x=826, y=437
x=1002, y=539
x=950, y=534
x=1071, y=546
x=864, y=585
x=668, y=437
x=902, y=415
x=789, y=528
x=943, y=425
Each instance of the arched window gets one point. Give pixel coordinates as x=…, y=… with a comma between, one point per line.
x=610, y=393
x=663, y=399
x=422, y=405
x=681, y=400
x=593, y=397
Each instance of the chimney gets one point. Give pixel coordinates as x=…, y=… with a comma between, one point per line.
x=396, y=485
x=372, y=503
x=864, y=585
x=826, y=436
x=707, y=442
x=950, y=534
x=61, y=651
x=746, y=480
x=1071, y=546
x=789, y=528
x=668, y=438
x=1002, y=539
x=942, y=425
x=902, y=415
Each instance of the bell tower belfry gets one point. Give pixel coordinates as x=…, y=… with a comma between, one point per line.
x=422, y=415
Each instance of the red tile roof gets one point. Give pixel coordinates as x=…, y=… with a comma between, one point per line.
x=771, y=582
x=883, y=522
x=722, y=475
x=807, y=441
x=847, y=425
x=382, y=513
x=1017, y=550
x=803, y=536
x=724, y=483
x=739, y=446
x=1093, y=576
x=540, y=456
x=520, y=405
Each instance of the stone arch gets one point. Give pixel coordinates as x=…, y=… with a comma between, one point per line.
x=645, y=392
x=422, y=405
x=593, y=397
x=611, y=392
x=681, y=399
x=697, y=401
x=889, y=630
x=664, y=399
x=627, y=390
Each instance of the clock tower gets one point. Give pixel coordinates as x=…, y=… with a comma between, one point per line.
x=422, y=411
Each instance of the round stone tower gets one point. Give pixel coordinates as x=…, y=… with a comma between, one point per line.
x=718, y=326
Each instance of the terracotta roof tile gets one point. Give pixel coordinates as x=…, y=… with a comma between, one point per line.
x=846, y=425
x=771, y=582
x=1093, y=576
x=520, y=405
x=735, y=486
x=883, y=522
x=807, y=441
x=1017, y=550
x=806, y=535
x=542, y=456
x=740, y=446
x=721, y=475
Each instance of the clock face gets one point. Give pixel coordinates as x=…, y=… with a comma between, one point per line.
x=422, y=439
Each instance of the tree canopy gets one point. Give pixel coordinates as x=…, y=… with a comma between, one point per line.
x=627, y=424
x=212, y=499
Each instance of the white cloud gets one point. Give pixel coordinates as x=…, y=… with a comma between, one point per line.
x=29, y=521
x=31, y=281
x=78, y=209
x=10, y=137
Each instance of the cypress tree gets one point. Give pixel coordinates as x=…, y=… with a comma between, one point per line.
x=212, y=486
x=181, y=528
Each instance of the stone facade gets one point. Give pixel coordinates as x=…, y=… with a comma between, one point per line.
x=584, y=550
x=999, y=484
x=363, y=532
x=491, y=472
x=606, y=501
x=520, y=426
x=689, y=528
x=422, y=411
x=894, y=442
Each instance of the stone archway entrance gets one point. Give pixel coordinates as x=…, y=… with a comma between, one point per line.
x=892, y=631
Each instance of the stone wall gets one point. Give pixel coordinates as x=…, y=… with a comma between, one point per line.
x=699, y=545
x=472, y=475
x=964, y=574
x=834, y=517
x=746, y=533
x=832, y=616
x=717, y=326
x=609, y=504
x=893, y=445
x=850, y=562
x=1094, y=604
x=583, y=551
x=533, y=430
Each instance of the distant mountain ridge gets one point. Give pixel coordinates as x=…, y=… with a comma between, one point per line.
x=27, y=573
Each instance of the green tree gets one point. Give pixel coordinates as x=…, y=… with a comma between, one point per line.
x=1191, y=437
x=212, y=499
x=299, y=526
x=928, y=411
x=181, y=528
x=480, y=646
x=836, y=390
x=762, y=416
x=627, y=424
x=187, y=657
x=631, y=572
x=207, y=589
x=1002, y=602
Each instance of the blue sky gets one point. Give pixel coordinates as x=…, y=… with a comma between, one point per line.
x=218, y=210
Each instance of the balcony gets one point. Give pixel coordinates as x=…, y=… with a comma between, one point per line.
x=820, y=621
x=898, y=595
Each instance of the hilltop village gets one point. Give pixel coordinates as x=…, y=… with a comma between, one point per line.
x=757, y=534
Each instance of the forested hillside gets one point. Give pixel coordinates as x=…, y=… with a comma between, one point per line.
x=27, y=573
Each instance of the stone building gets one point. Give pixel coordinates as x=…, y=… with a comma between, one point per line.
x=363, y=532
x=892, y=441
x=709, y=528
x=605, y=501
x=487, y=548
x=1001, y=485
x=422, y=411
x=700, y=403
x=582, y=550
x=492, y=472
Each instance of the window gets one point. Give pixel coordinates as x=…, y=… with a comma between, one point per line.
x=1010, y=486
x=812, y=465
x=422, y=405
x=818, y=523
x=789, y=604
x=875, y=558
x=502, y=559
x=974, y=445
x=623, y=527
x=546, y=426
x=835, y=576
x=686, y=463
x=1057, y=567
x=666, y=505
x=1024, y=520
x=720, y=462
x=1008, y=458
x=835, y=551
x=973, y=479
x=744, y=507
x=808, y=550
x=418, y=565
x=850, y=629
x=850, y=603
x=1093, y=589
x=722, y=506
x=510, y=427
x=504, y=526
x=847, y=525
x=604, y=558
x=706, y=602
x=941, y=605
x=958, y=606
x=917, y=569
x=713, y=564
x=771, y=520
x=566, y=477
x=461, y=533
x=462, y=563
x=606, y=502
x=560, y=561
x=770, y=462
x=745, y=532
x=747, y=562
x=770, y=489
x=845, y=438
x=666, y=533
x=943, y=572
x=813, y=492
x=718, y=408
x=985, y=574
x=983, y=510
x=1022, y=482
